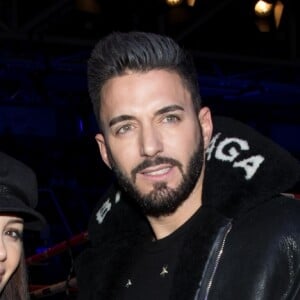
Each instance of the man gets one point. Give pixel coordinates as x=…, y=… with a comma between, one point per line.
x=196, y=213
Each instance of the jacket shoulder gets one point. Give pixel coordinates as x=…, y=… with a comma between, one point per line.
x=261, y=258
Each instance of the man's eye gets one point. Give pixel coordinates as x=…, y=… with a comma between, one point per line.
x=171, y=119
x=14, y=234
x=124, y=129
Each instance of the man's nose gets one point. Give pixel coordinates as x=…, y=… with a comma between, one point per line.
x=151, y=141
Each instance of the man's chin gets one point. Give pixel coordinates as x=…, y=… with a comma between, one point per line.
x=149, y=188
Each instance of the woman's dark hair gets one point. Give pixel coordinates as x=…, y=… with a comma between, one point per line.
x=118, y=53
x=17, y=286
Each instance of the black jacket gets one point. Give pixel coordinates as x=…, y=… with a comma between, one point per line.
x=245, y=244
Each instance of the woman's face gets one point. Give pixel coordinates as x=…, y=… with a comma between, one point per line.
x=11, y=246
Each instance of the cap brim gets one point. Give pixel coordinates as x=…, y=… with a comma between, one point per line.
x=33, y=220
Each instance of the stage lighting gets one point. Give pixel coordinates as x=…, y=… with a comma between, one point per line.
x=263, y=8
x=174, y=2
x=191, y=3
x=268, y=14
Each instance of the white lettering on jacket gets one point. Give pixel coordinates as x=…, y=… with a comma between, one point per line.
x=236, y=147
x=103, y=210
x=106, y=207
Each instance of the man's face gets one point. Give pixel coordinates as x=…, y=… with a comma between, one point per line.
x=152, y=138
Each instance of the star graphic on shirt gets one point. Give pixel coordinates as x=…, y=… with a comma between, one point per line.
x=164, y=271
x=128, y=284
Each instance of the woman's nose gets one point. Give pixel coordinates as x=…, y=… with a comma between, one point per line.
x=3, y=252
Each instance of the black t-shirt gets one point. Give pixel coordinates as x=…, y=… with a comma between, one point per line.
x=151, y=276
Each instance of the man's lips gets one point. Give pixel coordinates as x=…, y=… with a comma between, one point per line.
x=156, y=170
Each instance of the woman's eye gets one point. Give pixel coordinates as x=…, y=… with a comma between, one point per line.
x=14, y=234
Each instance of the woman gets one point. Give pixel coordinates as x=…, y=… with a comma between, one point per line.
x=18, y=198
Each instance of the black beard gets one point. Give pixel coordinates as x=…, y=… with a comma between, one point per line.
x=162, y=200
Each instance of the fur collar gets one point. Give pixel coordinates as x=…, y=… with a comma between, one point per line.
x=245, y=168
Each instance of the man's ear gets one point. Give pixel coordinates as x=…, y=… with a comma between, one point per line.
x=102, y=148
x=206, y=125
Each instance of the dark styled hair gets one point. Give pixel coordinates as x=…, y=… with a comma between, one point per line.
x=17, y=286
x=120, y=52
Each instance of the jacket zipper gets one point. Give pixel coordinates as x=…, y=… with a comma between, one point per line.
x=213, y=261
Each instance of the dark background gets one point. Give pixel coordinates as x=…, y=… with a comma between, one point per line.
x=46, y=118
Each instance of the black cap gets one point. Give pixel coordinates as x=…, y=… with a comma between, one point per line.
x=19, y=192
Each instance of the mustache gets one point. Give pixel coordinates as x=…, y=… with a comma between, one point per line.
x=154, y=162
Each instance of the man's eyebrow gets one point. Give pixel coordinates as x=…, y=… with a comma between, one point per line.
x=118, y=119
x=168, y=109
x=161, y=111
